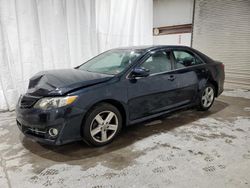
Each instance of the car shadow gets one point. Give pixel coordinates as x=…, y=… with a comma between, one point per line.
x=129, y=135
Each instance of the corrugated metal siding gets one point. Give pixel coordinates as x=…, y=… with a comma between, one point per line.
x=222, y=31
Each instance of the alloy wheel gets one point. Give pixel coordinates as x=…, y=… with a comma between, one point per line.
x=104, y=126
x=207, y=97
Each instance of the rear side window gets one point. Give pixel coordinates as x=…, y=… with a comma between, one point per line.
x=185, y=59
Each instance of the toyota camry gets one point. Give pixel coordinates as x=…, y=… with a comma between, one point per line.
x=117, y=88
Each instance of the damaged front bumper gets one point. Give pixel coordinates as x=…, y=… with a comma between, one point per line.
x=64, y=123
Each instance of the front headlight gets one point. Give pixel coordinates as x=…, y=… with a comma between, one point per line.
x=54, y=102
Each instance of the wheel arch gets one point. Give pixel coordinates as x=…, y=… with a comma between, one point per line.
x=121, y=107
x=203, y=83
x=215, y=84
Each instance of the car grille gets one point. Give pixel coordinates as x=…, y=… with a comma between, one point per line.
x=27, y=101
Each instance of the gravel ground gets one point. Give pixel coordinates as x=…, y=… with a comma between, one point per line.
x=184, y=149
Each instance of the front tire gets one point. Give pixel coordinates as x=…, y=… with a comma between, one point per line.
x=102, y=124
x=206, y=98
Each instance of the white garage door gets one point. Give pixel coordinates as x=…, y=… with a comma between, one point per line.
x=222, y=31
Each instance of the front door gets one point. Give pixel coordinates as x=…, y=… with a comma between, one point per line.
x=155, y=93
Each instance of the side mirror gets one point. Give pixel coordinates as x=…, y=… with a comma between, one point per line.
x=140, y=72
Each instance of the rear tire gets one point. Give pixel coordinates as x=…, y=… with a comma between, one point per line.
x=102, y=124
x=206, y=98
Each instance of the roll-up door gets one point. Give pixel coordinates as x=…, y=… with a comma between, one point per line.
x=221, y=29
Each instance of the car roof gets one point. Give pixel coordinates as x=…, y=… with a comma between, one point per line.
x=151, y=47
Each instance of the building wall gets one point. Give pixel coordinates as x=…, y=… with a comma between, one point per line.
x=172, y=12
x=169, y=13
x=173, y=39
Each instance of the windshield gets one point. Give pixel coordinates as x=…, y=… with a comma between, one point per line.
x=111, y=62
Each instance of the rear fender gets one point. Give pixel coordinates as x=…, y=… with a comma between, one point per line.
x=202, y=84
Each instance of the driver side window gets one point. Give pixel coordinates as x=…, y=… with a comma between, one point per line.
x=158, y=62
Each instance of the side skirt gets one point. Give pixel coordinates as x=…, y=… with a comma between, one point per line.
x=159, y=114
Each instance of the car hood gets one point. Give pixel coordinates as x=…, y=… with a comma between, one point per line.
x=62, y=81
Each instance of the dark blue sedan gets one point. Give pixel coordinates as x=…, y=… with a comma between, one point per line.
x=119, y=87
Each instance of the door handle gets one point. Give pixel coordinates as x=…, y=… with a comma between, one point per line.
x=171, y=78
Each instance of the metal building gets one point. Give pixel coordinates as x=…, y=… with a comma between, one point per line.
x=219, y=28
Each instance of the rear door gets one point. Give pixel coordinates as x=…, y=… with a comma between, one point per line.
x=189, y=70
